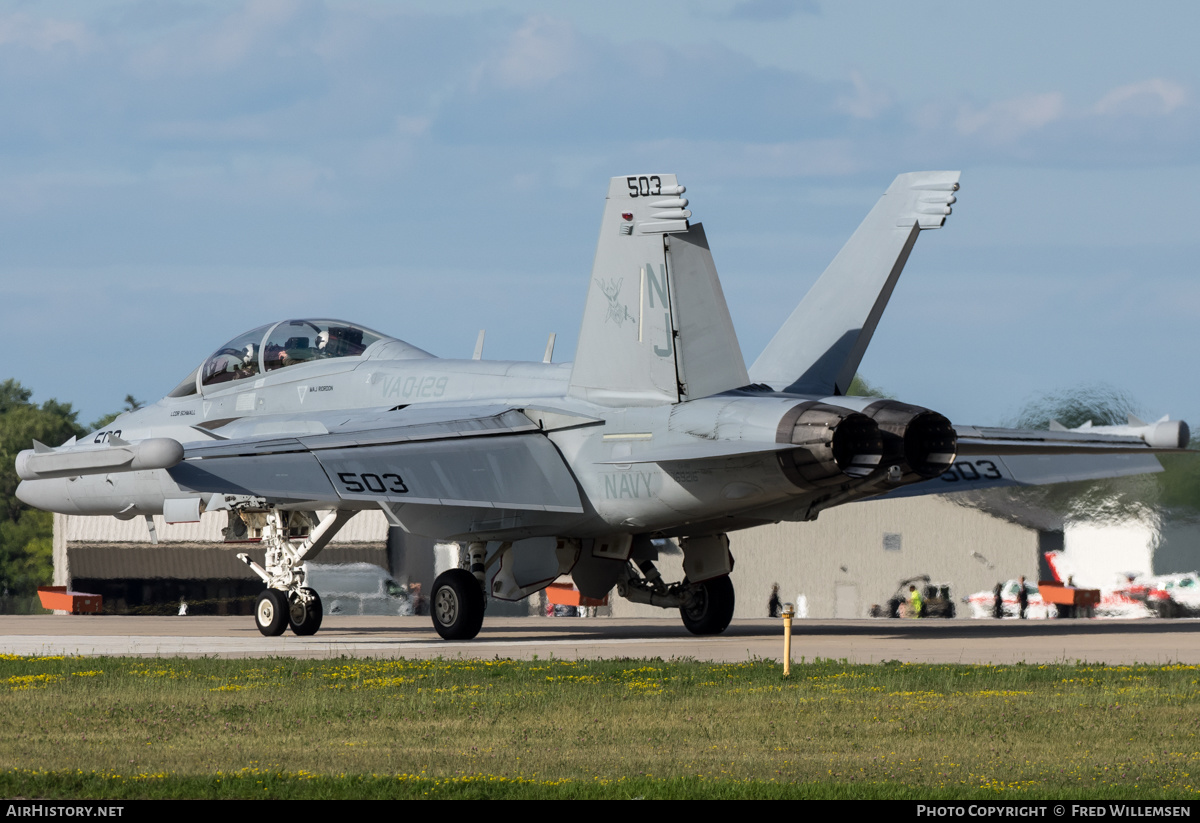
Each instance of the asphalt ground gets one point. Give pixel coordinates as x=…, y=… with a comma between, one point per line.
x=858, y=641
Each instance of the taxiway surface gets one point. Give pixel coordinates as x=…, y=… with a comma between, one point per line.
x=859, y=641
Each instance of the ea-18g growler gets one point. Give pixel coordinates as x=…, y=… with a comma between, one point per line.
x=657, y=432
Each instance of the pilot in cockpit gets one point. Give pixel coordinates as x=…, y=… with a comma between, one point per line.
x=249, y=364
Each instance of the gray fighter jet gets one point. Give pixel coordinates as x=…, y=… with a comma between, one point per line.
x=656, y=432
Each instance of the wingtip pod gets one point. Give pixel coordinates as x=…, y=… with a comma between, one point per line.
x=1164, y=433
x=929, y=196
x=153, y=453
x=1168, y=434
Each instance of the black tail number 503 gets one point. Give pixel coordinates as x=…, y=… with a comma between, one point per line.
x=644, y=186
x=372, y=483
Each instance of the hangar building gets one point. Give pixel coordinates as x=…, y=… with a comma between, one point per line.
x=849, y=559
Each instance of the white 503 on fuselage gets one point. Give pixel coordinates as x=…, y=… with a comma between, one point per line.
x=656, y=431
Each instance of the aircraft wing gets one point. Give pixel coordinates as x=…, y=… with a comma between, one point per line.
x=481, y=457
x=983, y=440
x=998, y=471
x=991, y=458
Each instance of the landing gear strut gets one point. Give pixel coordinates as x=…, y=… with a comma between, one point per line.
x=287, y=601
x=706, y=606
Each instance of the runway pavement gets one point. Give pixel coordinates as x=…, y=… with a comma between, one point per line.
x=860, y=641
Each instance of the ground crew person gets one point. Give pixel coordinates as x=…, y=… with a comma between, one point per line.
x=914, y=598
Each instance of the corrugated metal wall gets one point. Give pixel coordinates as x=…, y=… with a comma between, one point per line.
x=839, y=564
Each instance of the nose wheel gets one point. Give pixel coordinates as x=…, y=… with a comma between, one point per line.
x=276, y=610
x=305, y=612
x=271, y=612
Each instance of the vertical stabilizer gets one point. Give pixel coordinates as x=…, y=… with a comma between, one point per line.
x=818, y=349
x=655, y=327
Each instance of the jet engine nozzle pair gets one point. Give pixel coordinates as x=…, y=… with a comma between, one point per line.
x=835, y=443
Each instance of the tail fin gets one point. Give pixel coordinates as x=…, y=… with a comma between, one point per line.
x=655, y=328
x=818, y=349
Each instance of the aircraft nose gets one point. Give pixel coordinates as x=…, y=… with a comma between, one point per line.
x=44, y=495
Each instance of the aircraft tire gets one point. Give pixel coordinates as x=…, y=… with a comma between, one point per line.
x=456, y=605
x=711, y=612
x=305, y=618
x=271, y=612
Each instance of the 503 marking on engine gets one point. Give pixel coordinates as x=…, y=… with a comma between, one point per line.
x=972, y=470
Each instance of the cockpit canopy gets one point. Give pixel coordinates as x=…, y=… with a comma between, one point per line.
x=278, y=346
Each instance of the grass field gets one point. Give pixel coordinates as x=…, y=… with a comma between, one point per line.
x=136, y=727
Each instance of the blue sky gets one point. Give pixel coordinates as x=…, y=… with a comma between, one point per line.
x=172, y=174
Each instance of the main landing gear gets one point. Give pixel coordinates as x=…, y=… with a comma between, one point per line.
x=704, y=598
x=457, y=602
x=709, y=606
x=706, y=605
x=287, y=601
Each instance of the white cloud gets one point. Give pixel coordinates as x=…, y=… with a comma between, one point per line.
x=772, y=11
x=42, y=34
x=539, y=52
x=1154, y=96
x=867, y=102
x=1006, y=120
x=254, y=128
x=243, y=30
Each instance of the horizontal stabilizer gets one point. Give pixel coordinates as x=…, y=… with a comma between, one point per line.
x=819, y=348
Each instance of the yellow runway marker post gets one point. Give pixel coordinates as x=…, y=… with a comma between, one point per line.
x=788, y=612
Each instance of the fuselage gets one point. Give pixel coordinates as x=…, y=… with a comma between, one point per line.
x=710, y=464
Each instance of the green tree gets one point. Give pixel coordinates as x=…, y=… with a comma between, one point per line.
x=22, y=422
x=1179, y=483
x=859, y=387
x=131, y=404
x=1173, y=492
x=26, y=552
x=1100, y=403
x=26, y=536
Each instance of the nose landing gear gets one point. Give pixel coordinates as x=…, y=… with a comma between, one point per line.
x=287, y=601
x=271, y=613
